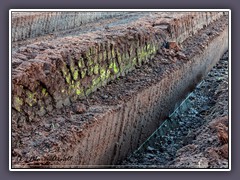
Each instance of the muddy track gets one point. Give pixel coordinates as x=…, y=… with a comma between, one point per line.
x=112, y=121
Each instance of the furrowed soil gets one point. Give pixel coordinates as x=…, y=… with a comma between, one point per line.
x=196, y=135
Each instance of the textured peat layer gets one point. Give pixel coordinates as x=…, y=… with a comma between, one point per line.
x=32, y=24
x=62, y=118
x=96, y=24
x=48, y=25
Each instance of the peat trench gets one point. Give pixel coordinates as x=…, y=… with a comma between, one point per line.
x=110, y=123
x=196, y=134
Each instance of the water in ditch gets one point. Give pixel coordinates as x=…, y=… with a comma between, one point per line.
x=196, y=134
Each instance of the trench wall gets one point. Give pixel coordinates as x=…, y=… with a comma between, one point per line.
x=120, y=130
